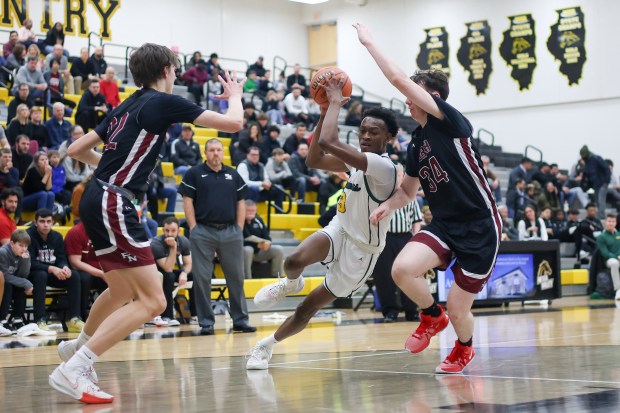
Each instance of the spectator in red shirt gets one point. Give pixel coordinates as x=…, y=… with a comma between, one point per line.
x=82, y=259
x=7, y=48
x=195, y=77
x=8, y=200
x=109, y=88
x=8, y=204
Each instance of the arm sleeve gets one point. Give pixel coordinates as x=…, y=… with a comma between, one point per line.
x=4, y=263
x=87, y=102
x=158, y=249
x=23, y=268
x=174, y=108
x=411, y=168
x=32, y=182
x=289, y=146
x=102, y=129
x=242, y=188
x=543, y=230
x=70, y=173
x=242, y=170
x=264, y=231
x=90, y=66
x=198, y=153
x=270, y=170
x=294, y=165
x=603, y=248
x=21, y=282
x=522, y=232
x=60, y=251
x=35, y=264
x=22, y=78
x=184, y=246
x=454, y=123
x=5, y=233
x=40, y=80
x=73, y=243
x=188, y=185
x=174, y=154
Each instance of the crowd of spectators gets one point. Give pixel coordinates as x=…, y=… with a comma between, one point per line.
x=543, y=203
x=540, y=202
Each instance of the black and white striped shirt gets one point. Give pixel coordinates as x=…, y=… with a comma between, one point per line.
x=404, y=218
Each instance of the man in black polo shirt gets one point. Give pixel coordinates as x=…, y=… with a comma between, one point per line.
x=214, y=204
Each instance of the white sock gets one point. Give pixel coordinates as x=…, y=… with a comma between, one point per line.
x=294, y=281
x=82, y=339
x=268, y=341
x=83, y=357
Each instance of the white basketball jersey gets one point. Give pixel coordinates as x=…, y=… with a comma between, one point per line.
x=363, y=193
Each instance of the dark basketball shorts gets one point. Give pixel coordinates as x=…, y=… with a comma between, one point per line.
x=113, y=226
x=474, y=244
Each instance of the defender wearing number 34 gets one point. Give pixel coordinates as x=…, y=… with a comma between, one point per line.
x=466, y=228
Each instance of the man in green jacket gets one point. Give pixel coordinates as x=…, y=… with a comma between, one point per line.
x=608, y=244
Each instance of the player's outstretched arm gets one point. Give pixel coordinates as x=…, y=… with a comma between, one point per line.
x=328, y=139
x=403, y=196
x=317, y=158
x=232, y=121
x=397, y=76
x=82, y=149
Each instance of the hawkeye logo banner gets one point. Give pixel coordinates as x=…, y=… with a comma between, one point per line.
x=434, y=51
x=567, y=43
x=518, y=49
x=475, y=55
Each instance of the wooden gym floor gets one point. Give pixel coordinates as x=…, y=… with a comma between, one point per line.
x=563, y=358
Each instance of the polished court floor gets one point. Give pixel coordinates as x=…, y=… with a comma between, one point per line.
x=562, y=358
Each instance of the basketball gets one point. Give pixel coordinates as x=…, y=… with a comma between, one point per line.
x=318, y=93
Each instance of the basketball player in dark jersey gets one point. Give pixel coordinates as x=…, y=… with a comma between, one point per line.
x=132, y=134
x=466, y=224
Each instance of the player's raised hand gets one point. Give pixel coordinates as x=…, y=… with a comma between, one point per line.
x=231, y=87
x=363, y=34
x=333, y=89
x=378, y=214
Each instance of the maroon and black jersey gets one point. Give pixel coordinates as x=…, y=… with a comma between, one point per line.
x=443, y=156
x=133, y=134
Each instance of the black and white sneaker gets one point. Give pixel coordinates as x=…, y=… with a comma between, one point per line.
x=17, y=323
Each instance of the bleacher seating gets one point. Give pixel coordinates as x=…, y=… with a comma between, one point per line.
x=300, y=225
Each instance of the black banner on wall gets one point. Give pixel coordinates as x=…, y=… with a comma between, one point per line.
x=434, y=51
x=567, y=43
x=475, y=54
x=518, y=49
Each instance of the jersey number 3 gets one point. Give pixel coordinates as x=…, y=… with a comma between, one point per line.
x=434, y=174
x=342, y=208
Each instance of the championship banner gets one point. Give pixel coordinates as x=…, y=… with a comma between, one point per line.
x=434, y=51
x=567, y=43
x=475, y=55
x=518, y=49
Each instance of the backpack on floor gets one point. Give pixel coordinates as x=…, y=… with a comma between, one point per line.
x=181, y=305
x=604, y=284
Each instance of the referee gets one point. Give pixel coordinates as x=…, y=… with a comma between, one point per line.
x=404, y=223
x=214, y=202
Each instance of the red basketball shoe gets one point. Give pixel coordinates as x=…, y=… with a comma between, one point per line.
x=457, y=360
x=429, y=326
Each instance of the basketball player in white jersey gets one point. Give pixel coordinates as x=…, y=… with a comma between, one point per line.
x=349, y=245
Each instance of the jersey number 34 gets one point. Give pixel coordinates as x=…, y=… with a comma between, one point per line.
x=434, y=174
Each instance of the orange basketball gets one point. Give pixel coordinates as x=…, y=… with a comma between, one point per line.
x=318, y=93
